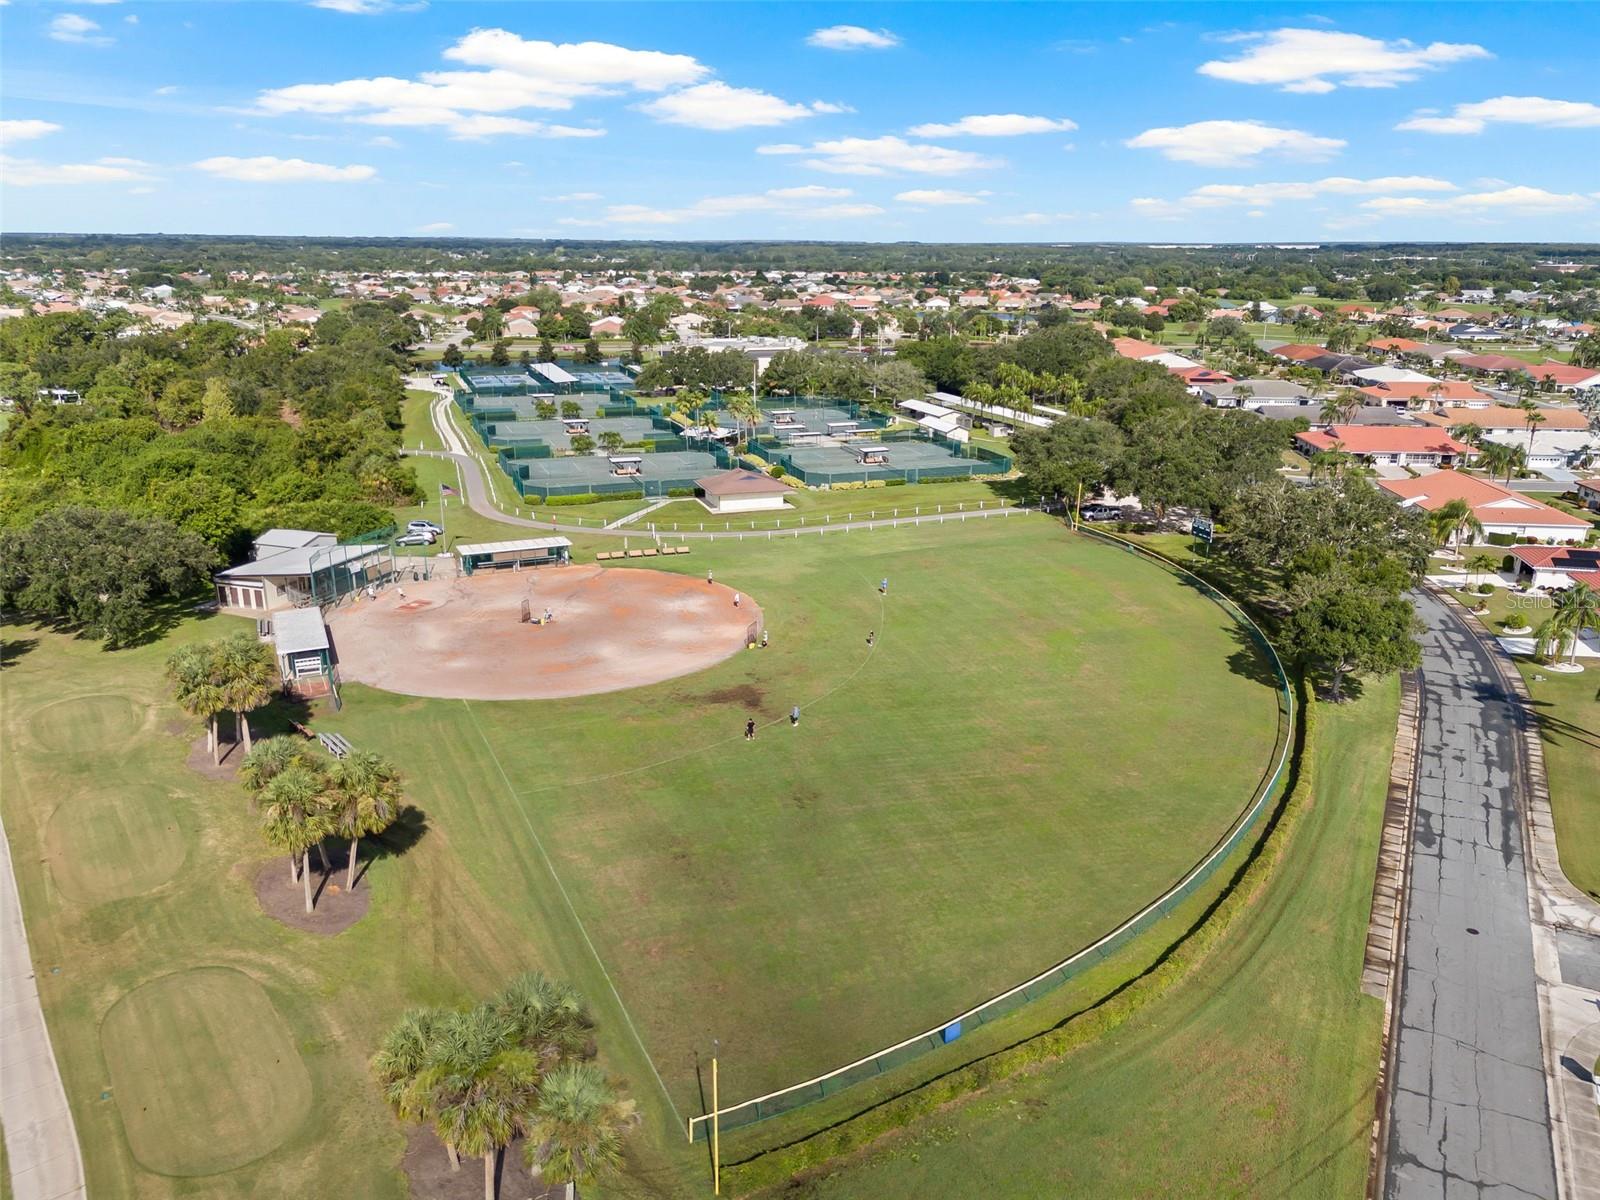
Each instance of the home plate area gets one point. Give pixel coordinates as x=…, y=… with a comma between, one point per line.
x=467, y=638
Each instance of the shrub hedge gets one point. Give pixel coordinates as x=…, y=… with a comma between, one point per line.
x=776, y=1167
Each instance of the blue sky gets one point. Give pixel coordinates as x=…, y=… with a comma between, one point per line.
x=960, y=122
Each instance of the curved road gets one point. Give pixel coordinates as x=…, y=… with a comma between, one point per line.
x=1470, y=1113
x=481, y=501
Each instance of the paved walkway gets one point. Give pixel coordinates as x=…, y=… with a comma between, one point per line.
x=1470, y=1110
x=41, y=1141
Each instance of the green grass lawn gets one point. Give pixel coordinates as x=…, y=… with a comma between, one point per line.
x=1254, y=1077
x=1568, y=707
x=417, y=432
x=1017, y=764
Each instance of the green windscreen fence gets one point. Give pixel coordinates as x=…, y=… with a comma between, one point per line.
x=880, y=1062
x=346, y=567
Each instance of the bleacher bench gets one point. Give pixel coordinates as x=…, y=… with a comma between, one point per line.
x=635, y=553
x=334, y=744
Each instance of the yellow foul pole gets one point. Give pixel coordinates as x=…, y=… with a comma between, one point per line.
x=716, y=1149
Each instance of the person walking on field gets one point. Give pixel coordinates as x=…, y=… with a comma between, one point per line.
x=750, y=730
x=708, y=576
x=763, y=639
x=883, y=586
x=736, y=599
x=871, y=634
x=794, y=716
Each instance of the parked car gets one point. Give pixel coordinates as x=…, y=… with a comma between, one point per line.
x=425, y=527
x=1100, y=512
x=420, y=538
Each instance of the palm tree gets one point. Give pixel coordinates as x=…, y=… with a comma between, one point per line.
x=1483, y=563
x=197, y=689
x=482, y=1086
x=295, y=816
x=1452, y=521
x=248, y=674
x=1331, y=413
x=1575, y=608
x=575, y=1134
x=1533, y=417
x=364, y=790
x=1332, y=462
x=547, y=1016
x=400, y=1063
x=1467, y=432
x=1497, y=458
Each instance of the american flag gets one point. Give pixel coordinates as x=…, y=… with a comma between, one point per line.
x=446, y=490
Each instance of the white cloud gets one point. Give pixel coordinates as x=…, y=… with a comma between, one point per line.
x=267, y=169
x=887, y=155
x=1235, y=143
x=70, y=27
x=1510, y=201
x=170, y=89
x=574, y=197
x=22, y=172
x=719, y=106
x=385, y=141
x=995, y=125
x=26, y=131
x=809, y=191
x=939, y=197
x=1510, y=110
x=1319, y=60
x=366, y=8
x=1032, y=218
x=778, y=202
x=852, y=37
x=1218, y=195
x=434, y=227
x=511, y=73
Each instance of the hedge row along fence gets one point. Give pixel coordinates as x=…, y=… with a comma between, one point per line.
x=777, y=1167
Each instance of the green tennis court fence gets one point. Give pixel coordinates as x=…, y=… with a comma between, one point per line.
x=761, y=1108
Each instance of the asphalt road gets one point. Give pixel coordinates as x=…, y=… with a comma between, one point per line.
x=1470, y=1115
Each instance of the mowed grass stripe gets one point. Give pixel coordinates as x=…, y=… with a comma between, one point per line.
x=1048, y=733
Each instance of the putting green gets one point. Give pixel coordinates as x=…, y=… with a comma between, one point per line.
x=116, y=844
x=87, y=724
x=204, y=1071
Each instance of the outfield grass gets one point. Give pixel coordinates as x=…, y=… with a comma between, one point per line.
x=936, y=830
x=1254, y=1077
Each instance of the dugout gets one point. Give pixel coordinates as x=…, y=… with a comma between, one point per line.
x=525, y=552
x=305, y=657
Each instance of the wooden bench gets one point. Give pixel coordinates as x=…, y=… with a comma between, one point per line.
x=635, y=553
x=603, y=556
x=650, y=552
x=334, y=744
x=302, y=730
x=680, y=549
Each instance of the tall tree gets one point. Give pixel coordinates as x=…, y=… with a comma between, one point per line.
x=365, y=794
x=248, y=672
x=1575, y=608
x=576, y=1128
x=482, y=1086
x=197, y=689
x=295, y=816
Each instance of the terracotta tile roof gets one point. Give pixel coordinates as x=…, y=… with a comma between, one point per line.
x=1386, y=439
x=740, y=482
x=1491, y=503
x=1563, y=374
x=1299, y=351
x=1500, y=416
x=1134, y=348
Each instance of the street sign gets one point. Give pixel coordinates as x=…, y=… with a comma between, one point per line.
x=1204, y=529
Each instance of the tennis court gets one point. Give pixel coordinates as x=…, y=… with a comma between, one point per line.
x=657, y=474
x=558, y=436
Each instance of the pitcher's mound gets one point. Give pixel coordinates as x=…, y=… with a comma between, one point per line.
x=613, y=628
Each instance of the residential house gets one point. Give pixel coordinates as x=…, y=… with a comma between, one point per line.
x=1562, y=439
x=1556, y=567
x=1589, y=493
x=1388, y=445
x=1499, y=509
